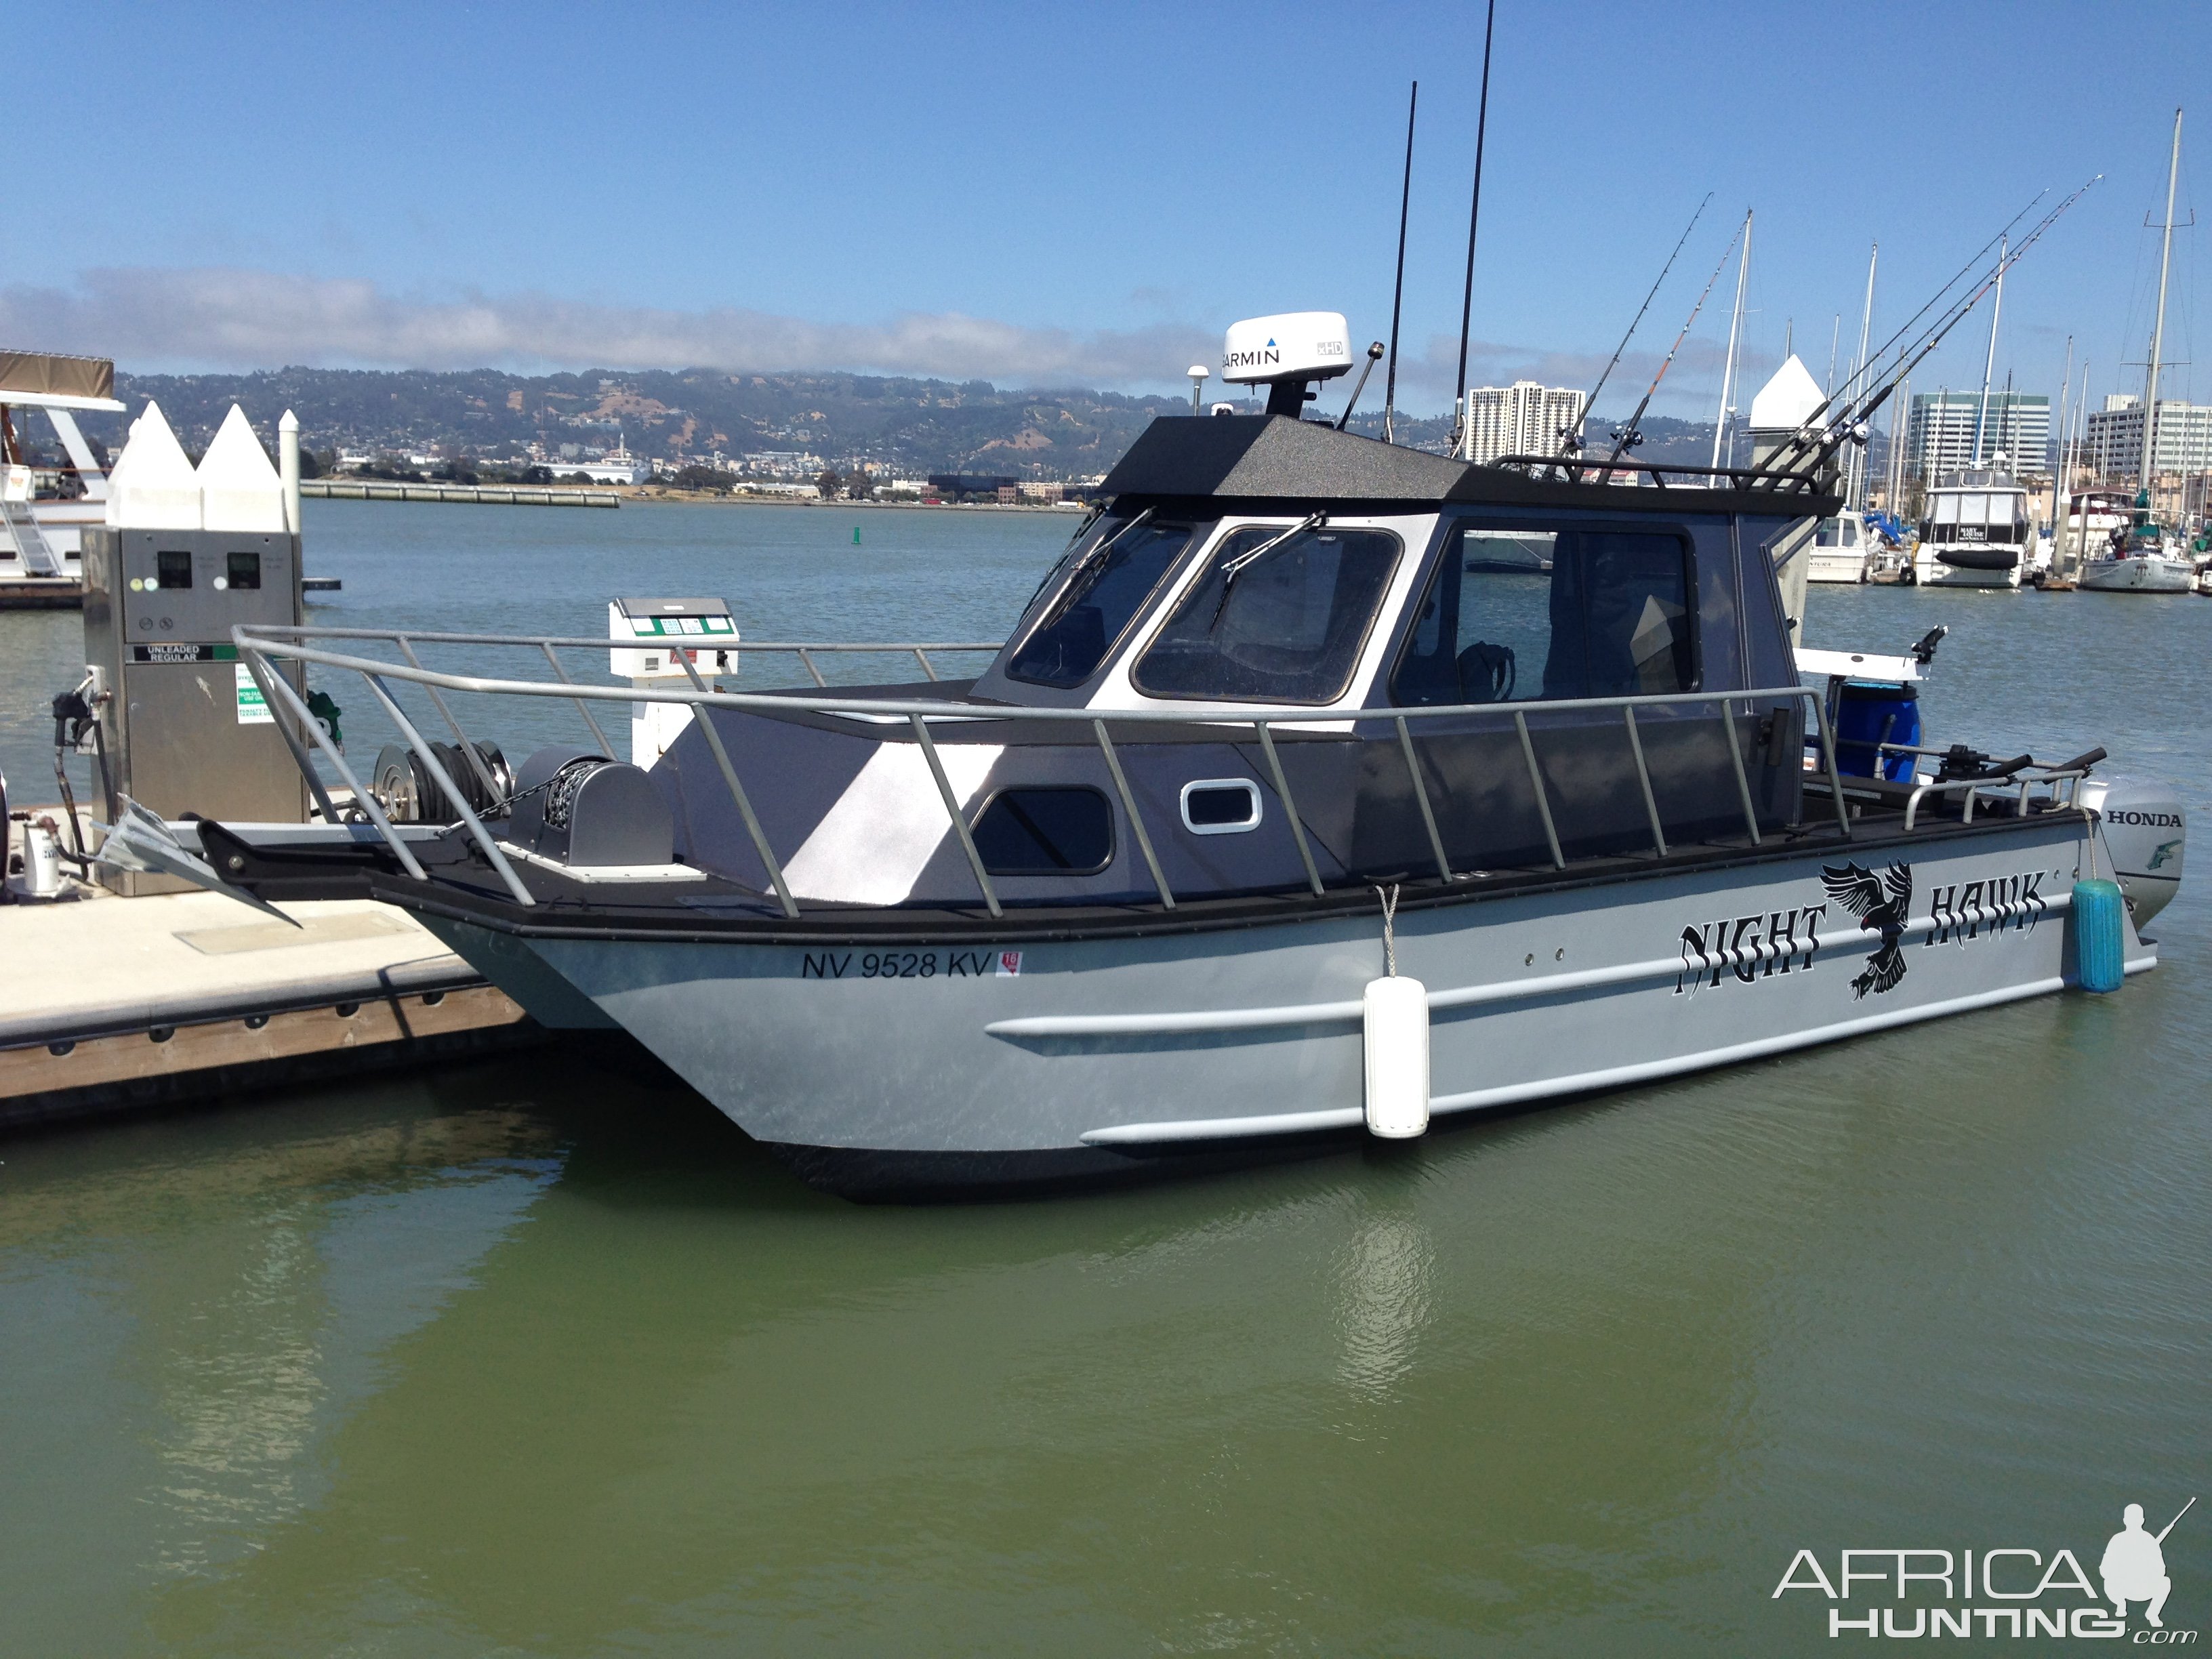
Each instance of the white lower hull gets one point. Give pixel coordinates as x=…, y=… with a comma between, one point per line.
x=1836, y=564
x=2148, y=574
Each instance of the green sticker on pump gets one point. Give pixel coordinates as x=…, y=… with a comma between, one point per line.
x=253, y=707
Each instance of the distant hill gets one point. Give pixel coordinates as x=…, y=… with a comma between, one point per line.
x=904, y=425
x=907, y=427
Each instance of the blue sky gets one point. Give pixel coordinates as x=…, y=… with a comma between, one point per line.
x=1059, y=195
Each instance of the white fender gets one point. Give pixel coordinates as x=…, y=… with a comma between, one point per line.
x=1396, y=1011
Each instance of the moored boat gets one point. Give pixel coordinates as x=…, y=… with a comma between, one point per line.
x=1297, y=712
x=1976, y=531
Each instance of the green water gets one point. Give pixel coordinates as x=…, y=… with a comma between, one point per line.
x=543, y=1358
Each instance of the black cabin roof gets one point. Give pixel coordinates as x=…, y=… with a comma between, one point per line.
x=1249, y=459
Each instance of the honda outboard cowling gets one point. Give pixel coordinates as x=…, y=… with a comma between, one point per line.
x=2144, y=833
x=585, y=809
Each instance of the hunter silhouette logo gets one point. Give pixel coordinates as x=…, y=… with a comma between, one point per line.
x=1879, y=902
x=2134, y=1567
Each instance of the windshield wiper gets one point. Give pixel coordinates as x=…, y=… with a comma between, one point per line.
x=1232, y=569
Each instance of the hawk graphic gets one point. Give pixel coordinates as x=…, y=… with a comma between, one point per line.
x=1879, y=902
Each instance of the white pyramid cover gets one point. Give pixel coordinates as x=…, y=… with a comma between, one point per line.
x=1787, y=401
x=239, y=487
x=152, y=485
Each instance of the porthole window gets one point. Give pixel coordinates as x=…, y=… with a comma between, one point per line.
x=1220, y=806
x=1045, y=832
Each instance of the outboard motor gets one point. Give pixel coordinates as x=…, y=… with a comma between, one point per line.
x=585, y=810
x=2144, y=833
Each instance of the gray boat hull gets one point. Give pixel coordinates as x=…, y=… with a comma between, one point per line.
x=968, y=1063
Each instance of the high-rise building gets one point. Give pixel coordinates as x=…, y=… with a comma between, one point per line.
x=1940, y=436
x=1526, y=418
x=2115, y=434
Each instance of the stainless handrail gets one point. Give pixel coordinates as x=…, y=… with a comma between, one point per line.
x=1973, y=787
x=261, y=643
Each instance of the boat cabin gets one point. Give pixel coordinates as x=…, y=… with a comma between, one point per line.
x=1247, y=618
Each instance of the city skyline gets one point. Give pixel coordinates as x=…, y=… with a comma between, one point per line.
x=908, y=194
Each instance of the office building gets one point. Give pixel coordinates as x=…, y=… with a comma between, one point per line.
x=2114, y=435
x=1522, y=419
x=1940, y=434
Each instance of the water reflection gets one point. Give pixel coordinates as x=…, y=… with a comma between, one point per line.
x=1384, y=1287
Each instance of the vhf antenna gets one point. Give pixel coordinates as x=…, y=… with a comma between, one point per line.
x=1398, y=292
x=1460, y=426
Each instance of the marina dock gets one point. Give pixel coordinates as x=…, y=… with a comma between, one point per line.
x=363, y=489
x=116, y=1003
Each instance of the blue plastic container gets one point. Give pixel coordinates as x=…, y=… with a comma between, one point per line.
x=2099, y=934
x=1868, y=715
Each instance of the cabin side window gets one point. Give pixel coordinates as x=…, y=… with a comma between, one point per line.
x=1107, y=585
x=1278, y=616
x=1519, y=616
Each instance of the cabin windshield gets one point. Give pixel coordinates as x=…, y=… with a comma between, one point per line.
x=1516, y=615
x=1280, y=624
x=1112, y=574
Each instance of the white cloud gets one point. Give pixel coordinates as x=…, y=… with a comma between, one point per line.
x=216, y=319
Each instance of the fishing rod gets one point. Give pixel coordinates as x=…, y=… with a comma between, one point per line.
x=1398, y=292
x=1569, y=443
x=1628, y=437
x=1821, y=440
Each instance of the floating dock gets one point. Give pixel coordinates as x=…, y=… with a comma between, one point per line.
x=364, y=489
x=111, y=1004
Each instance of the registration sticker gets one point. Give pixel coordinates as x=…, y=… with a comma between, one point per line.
x=1010, y=964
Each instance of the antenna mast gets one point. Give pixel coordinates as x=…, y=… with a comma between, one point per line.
x=1398, y=292
x=1463, y=428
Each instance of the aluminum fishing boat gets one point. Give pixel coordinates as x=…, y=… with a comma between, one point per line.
x=1296, y=713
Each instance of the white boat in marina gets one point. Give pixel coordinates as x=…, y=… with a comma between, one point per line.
x=1840, y=550
x=1976, y=532
x=2144, y=559
x=40, y=530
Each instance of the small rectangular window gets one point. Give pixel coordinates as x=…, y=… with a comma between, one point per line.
x=1045, y=832
x=172, y=569
x=242, y=569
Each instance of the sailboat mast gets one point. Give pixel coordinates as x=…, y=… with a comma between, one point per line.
x=2158, y=331
x=2065, y=398
x=1852, y=495
x=1990, y=364
x=1736, y=328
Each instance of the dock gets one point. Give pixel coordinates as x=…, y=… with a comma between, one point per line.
x=368, y=489
x=109, y=1004
x=41, y=593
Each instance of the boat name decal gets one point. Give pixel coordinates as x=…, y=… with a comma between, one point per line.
x=909, y=965
x=1751, y=947
x=1975, y=909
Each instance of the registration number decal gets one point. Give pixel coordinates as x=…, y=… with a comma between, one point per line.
x=909, y=964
